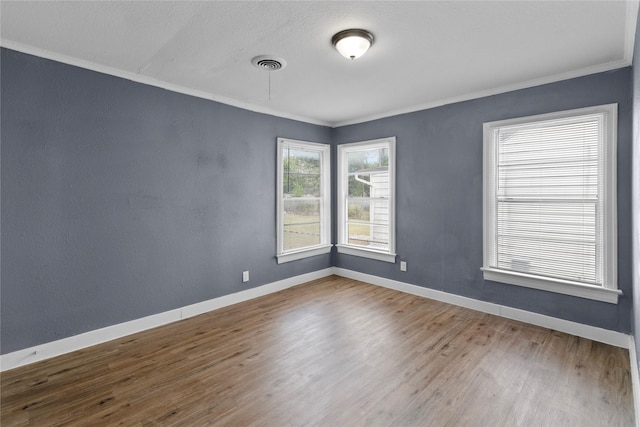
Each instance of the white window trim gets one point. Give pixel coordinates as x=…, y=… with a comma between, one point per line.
x=342, y=246
x=565, y=287
x=325, y=202
x=607, y=293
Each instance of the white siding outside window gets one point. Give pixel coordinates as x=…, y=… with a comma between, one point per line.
x=366, y=199
x=550, y=202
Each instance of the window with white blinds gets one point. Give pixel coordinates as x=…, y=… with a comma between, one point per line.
x=549, y=202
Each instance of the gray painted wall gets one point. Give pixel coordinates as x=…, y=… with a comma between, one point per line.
x=636, y=187
x=439, y=195
x=121, y=200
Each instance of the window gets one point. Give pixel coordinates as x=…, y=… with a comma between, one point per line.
x=366, y=199
x=550, y=202
x=304, y=207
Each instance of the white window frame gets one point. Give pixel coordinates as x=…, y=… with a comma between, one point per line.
x=325, y=201
x=609, y=291
x=343, y=175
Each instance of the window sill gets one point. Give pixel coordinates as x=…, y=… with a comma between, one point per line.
x=566, y=287
x=303, y=253
x=367, y=253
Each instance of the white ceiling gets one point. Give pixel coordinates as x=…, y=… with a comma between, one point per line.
x=425, y=53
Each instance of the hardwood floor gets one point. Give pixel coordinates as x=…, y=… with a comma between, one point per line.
x=333, y=352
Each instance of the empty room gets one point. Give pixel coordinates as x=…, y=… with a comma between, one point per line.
x=319, y=213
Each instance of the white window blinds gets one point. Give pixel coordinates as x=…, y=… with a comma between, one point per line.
x=546, y=197
x=549, y=221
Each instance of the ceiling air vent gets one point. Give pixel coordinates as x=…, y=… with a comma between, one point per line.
x=269, y=63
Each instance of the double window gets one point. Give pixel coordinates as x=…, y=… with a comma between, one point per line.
x=550, y=202
x=366, y=199
x=304, y=203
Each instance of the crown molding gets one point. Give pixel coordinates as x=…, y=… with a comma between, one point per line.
x=140, y=78
x=613, y=65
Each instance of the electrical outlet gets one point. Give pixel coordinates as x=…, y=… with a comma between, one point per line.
x=245, y=276
x=403, y=265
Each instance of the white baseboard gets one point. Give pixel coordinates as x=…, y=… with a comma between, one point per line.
x=635, y=378
x=98, y=336
x=606, y=336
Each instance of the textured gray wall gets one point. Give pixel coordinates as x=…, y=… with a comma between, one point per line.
x=439, y=195
x=121, y=200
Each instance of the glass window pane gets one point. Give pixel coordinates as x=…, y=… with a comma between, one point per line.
x=301, y=173
x=379, y=237
x=359, y=186
x=366, y=160
x=301, y=185
x=301, y=161
x=369, y=211
x=359, y=234
x=379, y=212
x=374, y=183
x=358, y=210
x=301, y=223
x=368, y=235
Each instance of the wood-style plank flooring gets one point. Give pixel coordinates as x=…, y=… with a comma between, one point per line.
x=333, y=352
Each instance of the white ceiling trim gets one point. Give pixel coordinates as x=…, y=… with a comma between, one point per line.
x=614, y=65
x=139, y=78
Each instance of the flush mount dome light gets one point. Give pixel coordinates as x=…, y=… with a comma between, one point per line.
x=352, y=43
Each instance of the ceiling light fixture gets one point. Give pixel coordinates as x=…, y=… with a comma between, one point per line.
x=352, y=43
